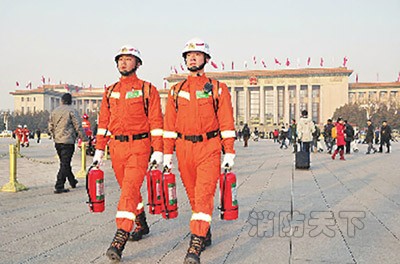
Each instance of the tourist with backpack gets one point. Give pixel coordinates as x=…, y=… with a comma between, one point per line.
x=131, y=121
x=349, y=131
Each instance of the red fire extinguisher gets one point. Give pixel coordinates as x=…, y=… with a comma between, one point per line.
x=169, y=205
x=153, y=179
x=229, y=206
x=95, y=189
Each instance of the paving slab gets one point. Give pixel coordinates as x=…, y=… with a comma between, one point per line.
x=336, y=212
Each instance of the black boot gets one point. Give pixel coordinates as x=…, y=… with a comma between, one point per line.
x=194, y=251
x=114, y=252
x=141, y=227
x=207, y=240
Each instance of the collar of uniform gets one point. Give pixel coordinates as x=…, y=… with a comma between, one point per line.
x=201, y=78
x=129, y=80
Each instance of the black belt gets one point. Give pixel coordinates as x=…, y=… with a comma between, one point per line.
x=199, y=138
x=125, y=138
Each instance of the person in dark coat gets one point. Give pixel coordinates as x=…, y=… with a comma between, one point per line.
x=386, y=136
x=246, y=134
x=349, y=131
x=369, y=137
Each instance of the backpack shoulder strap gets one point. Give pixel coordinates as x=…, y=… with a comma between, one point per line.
x=176, y=89
x=146, y=89
x=215, y=94
x=109, y=92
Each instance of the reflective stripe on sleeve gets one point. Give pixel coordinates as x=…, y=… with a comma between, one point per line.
x=156, y=132
x=170, y=134
x=139, y=206
x=228, y=134
x=125, y=214
x=115, y=95
x=184, y=94
x=103, y=132
x=201, y=216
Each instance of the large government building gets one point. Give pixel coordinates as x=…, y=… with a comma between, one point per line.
x=260, y=97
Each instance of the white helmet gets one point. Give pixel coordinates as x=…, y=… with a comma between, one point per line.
x=19, y=126
x=129, y=50
x=196, y=44
x=25, y=126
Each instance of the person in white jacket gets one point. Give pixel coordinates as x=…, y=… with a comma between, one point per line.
x=305, y=129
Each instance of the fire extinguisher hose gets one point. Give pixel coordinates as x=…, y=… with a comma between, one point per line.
x=90, y=202
x=163, y=193
x=151, y=166
x=223, y=192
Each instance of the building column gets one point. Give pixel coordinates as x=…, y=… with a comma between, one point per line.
x=262, y=104
x=286, y=105
x=298, y=114
x=246, y=105
x=309, y=104
x=234, y=104
x=275, y=90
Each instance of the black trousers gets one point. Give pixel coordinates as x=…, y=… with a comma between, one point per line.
x=65, y=152
x=348, y=144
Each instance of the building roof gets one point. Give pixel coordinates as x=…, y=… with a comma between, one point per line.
x=374, y=85
x=60, y=89
x=269, y=73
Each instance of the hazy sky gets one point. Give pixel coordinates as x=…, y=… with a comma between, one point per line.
x=75, y=41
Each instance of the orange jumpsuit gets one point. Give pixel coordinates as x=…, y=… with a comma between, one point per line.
x=18, y=135
x=25, y=136
x=123, y=121
x=199, y=161
x=86, y=127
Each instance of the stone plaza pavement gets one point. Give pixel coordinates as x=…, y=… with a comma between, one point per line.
x=336, y=212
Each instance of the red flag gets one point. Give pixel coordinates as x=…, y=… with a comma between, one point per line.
x=321, y=63
x=165, y=85
x=29, y=85
x=308, y=61
x=214, y=65
x=398, y=78
x=175, y=70
x=48, y=80
x=245, y=64
x=344, y=61
x=287, y=62
x=43, y=80
x=105, y=86
x=183, y=69
x=254, y=60
x=17, y=83
x=90, y=87
x=357, y=78
x=277, y=62
x=263, y=63
x=233, y=65
x=223, y=65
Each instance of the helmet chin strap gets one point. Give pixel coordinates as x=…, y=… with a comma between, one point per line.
x=196, y=68
x=128, y=73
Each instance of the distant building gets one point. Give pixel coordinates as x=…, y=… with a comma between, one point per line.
x=271, y=97
x=260, y=97
x=364, y=93
x=48, y=97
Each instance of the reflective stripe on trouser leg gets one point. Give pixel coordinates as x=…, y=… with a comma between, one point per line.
x=129, y=167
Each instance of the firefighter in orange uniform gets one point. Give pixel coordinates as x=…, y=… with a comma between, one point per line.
x=18, y=134
x=86, y=125
x=131, y=120
x=25, y=136
x=199, y=120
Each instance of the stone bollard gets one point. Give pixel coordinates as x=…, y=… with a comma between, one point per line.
x=82, y=172
x=13, y=185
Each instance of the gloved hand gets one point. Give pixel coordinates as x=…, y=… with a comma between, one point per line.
x=228, y=160
x=167, y=161
x=98, y=157
x=157, y=156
